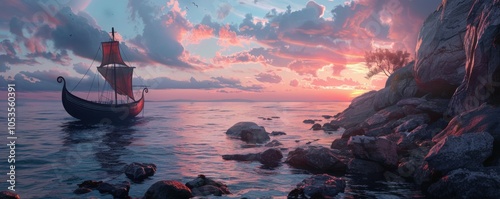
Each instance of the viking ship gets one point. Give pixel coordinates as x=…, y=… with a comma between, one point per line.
x=119, y=76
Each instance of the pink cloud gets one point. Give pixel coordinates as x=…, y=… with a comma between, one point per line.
x=200, y=32
x=228, y=37
x=335, y=82
x=294, y=83
x=241, y=57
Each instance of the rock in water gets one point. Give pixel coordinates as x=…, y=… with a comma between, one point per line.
x=319, y=186
x=316, y=159
x=271, y=157
x=364, y=167
x=465, y=151
x=254, y=136
x=137, y=172
x=276, y=133
x=316, y=127
x=242, y=157
x=273, y=143
x=235, y=130
x=374, y=149
x=80, y=190
x=203, y=186
x=168, y=189
x=440, y=54
x=8, y=195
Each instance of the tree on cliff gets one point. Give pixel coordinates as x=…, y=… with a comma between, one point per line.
x=383, y=60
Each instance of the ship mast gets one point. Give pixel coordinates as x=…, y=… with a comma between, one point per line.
x=114, y=67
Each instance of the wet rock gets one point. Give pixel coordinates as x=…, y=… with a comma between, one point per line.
x=271, y=157
x=412, y=101
x=364, y=167
x=105, y=187
x=485, y=119
x=121, y=190
x=236, y=129
x=80, y=190
x=316, y=127
x=168, y=189
x=374, y=149
x=440, y=55
x=276, y=133
x=330, y=127
x=464, y=151
x=358, y=111
x=254, y=136
x=273, y=143
x=91, y=184
x=9, y=195
x=137, y=172
x=327, y=116
x=319, y=186
x=340, y=144
x=316, y=159
x=353, y=132
x=203, y=186
x=309, y=121
x=481, y=83
x=468, y=183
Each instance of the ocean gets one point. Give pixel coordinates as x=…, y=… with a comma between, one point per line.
x=55, y=152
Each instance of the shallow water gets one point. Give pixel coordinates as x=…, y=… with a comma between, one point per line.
x=54, y=152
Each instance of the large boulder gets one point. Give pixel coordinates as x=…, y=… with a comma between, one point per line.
x=137, y=172
x=248, y=132
x=400, y=85
x=482, y=119
x=464, y=151
x=203, y=186
x=358, y=111
x=482, y=47
x=375, y=149
x=168, y=189
x=440, y=54
x=315, y=158
x=468, y=183
x=319, y=186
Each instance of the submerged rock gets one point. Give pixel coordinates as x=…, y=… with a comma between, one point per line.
x=330, y=127
x=464, y=151
x=276, y=133
x=254, y=136
x=168, y=189
x=316, y=159
x=309, y=121
x=318, y=186
x=248, y=132
x=270, y=157
x=273, y=143
x=137, y=172
x=203, y=186
x=80, y=190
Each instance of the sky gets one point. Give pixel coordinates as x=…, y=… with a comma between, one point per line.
x=262, y=50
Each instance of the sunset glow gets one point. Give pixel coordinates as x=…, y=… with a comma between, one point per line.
x=209, y=50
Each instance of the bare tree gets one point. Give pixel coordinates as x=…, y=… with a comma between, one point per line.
x=383, y=60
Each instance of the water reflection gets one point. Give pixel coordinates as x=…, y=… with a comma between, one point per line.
x=106, y=143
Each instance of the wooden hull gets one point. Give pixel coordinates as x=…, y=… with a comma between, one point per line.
x=96, y=112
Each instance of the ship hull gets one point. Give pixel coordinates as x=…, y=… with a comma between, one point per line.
x=96, y=112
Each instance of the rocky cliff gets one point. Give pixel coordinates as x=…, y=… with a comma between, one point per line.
x=441, y=118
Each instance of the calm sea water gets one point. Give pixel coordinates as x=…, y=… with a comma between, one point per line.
x=54, y=152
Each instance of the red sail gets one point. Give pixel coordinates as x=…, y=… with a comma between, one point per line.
x=111, y=53
x=123, y=79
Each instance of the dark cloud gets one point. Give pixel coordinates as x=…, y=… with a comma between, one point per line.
x=268, y=78
x=11, y=58
x=59, y=58
x=224, y=10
